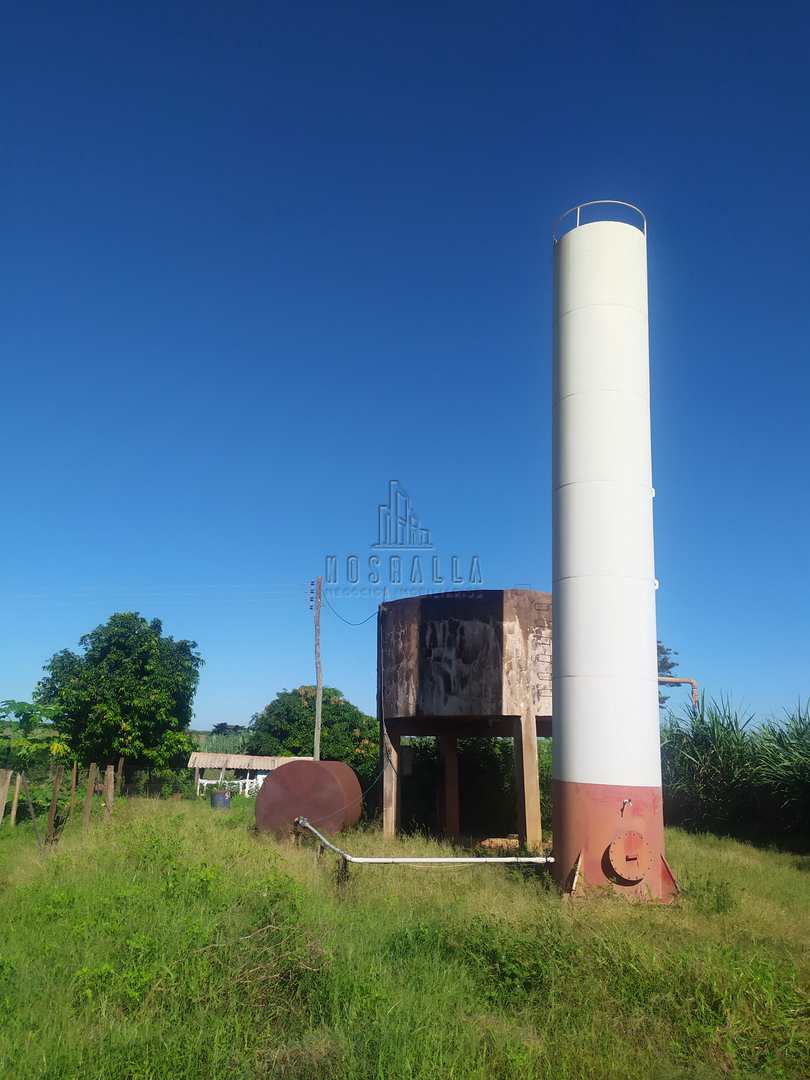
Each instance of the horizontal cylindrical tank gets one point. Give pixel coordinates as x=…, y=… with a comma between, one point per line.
x=327, y=793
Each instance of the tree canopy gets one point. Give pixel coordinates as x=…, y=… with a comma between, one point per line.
x=666, y=666
x=128, y=693
x=28, y=714
x=287, y=726
x=27, y=736
x=223, y=728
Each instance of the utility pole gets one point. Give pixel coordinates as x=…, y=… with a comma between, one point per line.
x=316, y=602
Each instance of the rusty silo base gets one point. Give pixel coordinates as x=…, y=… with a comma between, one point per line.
x=327, y=793
x=609, y=837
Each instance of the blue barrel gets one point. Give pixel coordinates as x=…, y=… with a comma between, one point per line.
x=221, y=800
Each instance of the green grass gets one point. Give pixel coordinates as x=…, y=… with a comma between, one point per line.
x=174, y=943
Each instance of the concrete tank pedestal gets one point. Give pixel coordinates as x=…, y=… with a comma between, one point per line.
x=464, y=664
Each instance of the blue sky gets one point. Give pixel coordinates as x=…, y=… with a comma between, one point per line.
x=259, y=259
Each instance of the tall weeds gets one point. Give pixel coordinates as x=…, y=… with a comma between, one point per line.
x=725, y=773
x=174, y=943
x=234, y=742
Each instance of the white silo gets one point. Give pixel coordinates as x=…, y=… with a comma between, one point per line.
x=608, y=823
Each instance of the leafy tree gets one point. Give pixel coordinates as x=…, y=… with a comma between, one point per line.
x=227, y=729
x=287, y=726
x=28, y=714
x=128, y=693
x=27, y=741
x=666, y=665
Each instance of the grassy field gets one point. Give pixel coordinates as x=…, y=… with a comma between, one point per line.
x=174, y=943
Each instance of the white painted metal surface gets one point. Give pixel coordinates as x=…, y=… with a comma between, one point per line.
x=605, y=663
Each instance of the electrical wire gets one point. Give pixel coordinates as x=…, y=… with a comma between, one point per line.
x=354, y=802
x=385, y=734
x=348, y=621
x=382, y=714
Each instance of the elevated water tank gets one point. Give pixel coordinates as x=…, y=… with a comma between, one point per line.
x=473, y=663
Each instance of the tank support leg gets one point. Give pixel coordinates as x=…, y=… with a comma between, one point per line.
x=528, y=781
x=448, y=752
x=391, y=793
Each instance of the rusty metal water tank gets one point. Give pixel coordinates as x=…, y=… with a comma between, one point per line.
x=327, y=793
x=481, y=655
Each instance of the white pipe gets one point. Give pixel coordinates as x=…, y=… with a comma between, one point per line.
x=384, y=860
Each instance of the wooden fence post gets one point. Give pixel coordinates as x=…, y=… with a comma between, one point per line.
x=119, y=775
x=88, y=795
x=74, y=780
x=31, y=810
x=109, y=791
x=14, y=801
x=50, y=833
x=5, y=780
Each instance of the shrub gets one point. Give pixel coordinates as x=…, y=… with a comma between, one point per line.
x=486, y=786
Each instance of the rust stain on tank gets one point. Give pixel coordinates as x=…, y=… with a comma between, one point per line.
x=483, y=653
x=456, y=664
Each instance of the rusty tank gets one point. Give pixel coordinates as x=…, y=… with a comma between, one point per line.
x=463, y=664
x=327, y=793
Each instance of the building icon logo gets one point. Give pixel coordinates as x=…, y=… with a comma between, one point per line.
x=397, y=524
x=403, y=562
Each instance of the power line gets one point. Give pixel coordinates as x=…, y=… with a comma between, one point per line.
x=354, y=802
x=348, y=621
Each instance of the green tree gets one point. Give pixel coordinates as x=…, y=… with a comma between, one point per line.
x=223, y=728
x=27, y=736
x=128, y=693
x=666, y=665
x=28, y=714
x=287, y=726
